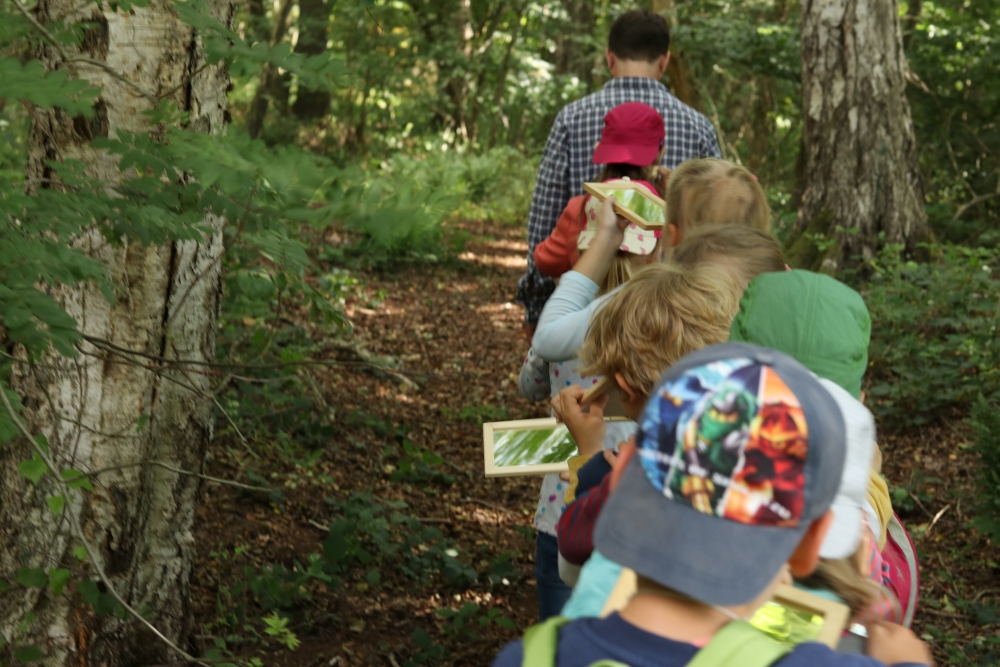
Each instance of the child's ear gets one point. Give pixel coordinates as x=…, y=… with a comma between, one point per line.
x=632, y=394
x=625, y=452
x=675, y=235
x=806, y=556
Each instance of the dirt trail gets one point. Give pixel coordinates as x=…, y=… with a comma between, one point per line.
x=456, y=329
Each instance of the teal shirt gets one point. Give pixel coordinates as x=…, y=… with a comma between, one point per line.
x=597, y=579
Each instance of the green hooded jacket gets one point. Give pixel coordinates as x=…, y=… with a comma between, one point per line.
x=816, y=319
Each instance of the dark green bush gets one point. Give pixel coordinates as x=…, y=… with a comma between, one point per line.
x=934, y=344
x=985, y=423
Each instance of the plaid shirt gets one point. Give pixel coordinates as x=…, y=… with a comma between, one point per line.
x=566, y=164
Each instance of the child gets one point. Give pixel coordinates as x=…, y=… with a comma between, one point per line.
x=693, y=309
x=825, y=325
x=699, y=193
x=744, y=252
x=709, y=543
x=631, y=147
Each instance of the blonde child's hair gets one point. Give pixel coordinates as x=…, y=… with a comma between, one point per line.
x=708, y=190
x=751, y=251
x=843, y=577
x=623, y=266
x=663, y=313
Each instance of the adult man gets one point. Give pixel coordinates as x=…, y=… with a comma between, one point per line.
x=637, y=56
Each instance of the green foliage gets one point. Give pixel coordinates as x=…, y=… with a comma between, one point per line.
x=428, y=653
x=934, y=344
x=277, y=627
x=466, y=618
x=954, y=55
x=32, y=83
x=985, y=423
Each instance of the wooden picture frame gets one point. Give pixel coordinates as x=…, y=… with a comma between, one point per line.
x=643, y=208
x=832, y=616
x=522, y=456
x=596, y=391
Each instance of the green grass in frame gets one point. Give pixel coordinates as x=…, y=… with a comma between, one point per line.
x=533, y=446
x=787, y=625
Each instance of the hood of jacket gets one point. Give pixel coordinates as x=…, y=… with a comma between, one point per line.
x=818, y=320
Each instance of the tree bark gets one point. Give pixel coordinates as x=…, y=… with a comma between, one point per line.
x=139, y=518
x=862, y=177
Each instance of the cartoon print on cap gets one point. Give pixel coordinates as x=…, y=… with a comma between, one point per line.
x=728, y=439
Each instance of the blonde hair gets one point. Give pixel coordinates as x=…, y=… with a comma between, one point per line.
x=623, y=267
x=660, y=315
x=844, y=578
x=707, y=190
x=752, y=251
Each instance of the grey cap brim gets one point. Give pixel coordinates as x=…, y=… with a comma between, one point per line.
x=675, y=546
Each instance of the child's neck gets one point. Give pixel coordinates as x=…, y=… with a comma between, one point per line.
x=681, y=620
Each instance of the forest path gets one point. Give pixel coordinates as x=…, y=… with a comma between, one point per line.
x=456, y=330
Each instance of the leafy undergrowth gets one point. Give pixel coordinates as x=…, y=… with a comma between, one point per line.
x=931, y=474
x=419, y=559
x=380, y=542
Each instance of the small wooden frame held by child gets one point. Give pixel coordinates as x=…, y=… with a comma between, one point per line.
x=528, y=447
x=633, y=202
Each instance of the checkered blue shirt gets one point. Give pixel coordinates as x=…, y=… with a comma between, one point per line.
x=566, y=162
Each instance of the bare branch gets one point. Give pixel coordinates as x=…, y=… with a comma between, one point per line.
x=179, y=471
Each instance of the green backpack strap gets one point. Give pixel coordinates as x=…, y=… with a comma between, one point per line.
x=540, y=642
x=739, y=644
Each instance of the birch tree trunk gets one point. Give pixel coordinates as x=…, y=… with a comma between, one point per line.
x=139, y=518
x=861, y=169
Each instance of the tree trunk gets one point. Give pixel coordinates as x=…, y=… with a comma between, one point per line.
x=573, y=55
x=314, y=16
x=138, y=518
x=272, y=85
x=862, y=178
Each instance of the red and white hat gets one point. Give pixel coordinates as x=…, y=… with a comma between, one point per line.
x=633, y=134
x=637, y=241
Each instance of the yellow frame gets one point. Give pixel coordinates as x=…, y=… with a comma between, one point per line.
x=834, y=614
x=601, y=191
x=489, y=433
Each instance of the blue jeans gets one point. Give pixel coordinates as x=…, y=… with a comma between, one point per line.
x=552, y=591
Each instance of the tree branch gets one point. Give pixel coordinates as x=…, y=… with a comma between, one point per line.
x=179, y=471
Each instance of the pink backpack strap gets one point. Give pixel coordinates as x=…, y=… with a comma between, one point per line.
x=904, y=570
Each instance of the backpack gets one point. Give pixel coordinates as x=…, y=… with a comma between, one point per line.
x=737, y=644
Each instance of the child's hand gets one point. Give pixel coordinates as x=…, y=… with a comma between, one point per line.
x=892, y=644
x=587, y=428
x=610, y=230
x=660, y=179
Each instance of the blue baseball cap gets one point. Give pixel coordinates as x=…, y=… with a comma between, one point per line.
x=740, y=449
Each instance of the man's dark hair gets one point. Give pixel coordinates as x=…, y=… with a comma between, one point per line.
x=639, y=35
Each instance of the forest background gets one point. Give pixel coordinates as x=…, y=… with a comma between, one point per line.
x=207, y=207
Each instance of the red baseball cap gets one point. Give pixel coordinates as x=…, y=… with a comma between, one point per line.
x=633, y=134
